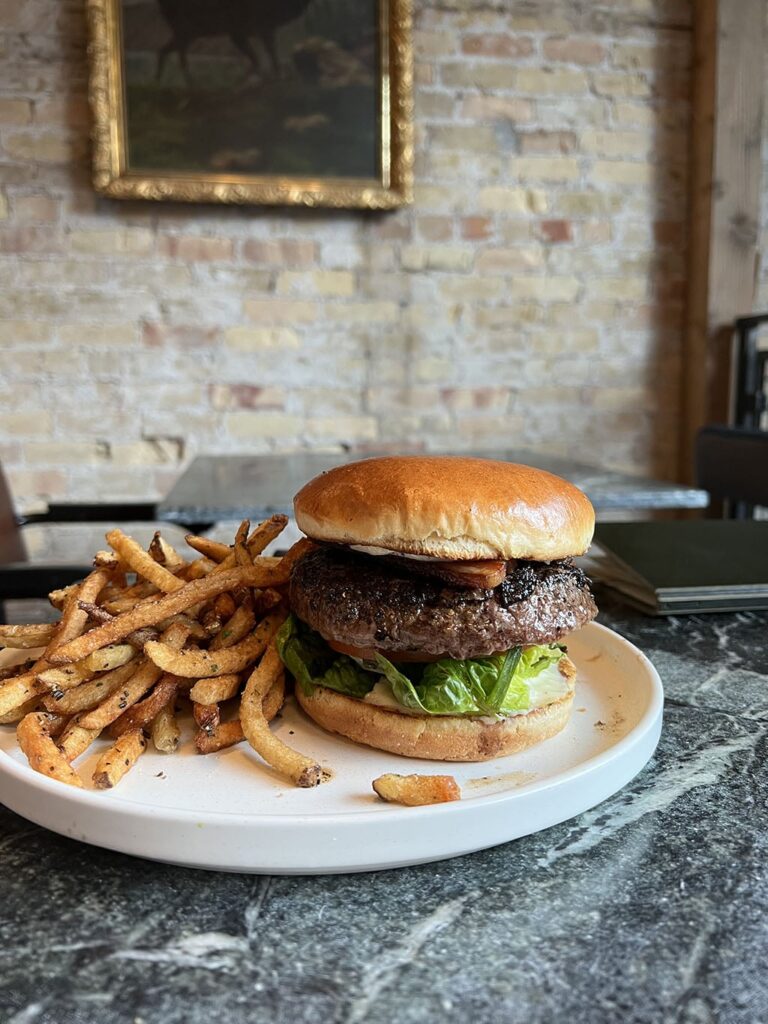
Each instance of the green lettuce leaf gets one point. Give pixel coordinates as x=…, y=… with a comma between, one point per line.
x=475, y=686
x=312, y=663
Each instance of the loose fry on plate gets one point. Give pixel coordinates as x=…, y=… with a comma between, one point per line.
x=136, y=558
x=197, y=664
x=303, y=771
x=216, y=688
x=165, y=730
x=141, y=714
x=417, y=790
x=150, y=612
x=34, y=736
x=108, y=658
x=75, y=740
x=24, y=637
x=119, y=759
x=88, y=695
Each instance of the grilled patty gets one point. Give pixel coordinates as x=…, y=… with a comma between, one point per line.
x=360, y=600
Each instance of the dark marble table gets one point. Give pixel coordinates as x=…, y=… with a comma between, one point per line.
x=216, y=487
x=649, y=908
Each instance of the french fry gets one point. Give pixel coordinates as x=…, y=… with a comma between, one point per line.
x=15, y=716
x=75, y=740
x=141, y=714
x=150, y=612
x=17, y=670
x=25, y=637
x=164, y=553
x=134, y=689
x=34, y=733
x=119, y=759
x=74, y=620
x=211, y=549
x=124, y=697
x=417, y=790
x=265, y=533
x=301, y=770
x=19, y=690
x=165, y=730
x=88, y=695
x=198, y=664
x=105, y=660
x=227, y=734
x=107, y=560
x=234, y=629
x=136, y=558
x=207, y=717
x=225, y=606
x=294, y=553
x=58, y=598
x=242, y=554
x=216, y=689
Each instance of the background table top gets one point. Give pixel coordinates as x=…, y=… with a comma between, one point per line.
x=648, y=908
x=218, y=487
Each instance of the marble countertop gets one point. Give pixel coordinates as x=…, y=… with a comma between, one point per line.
x=651, y=907
x=216, y=487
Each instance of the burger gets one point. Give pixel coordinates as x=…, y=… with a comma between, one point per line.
x=428, y=616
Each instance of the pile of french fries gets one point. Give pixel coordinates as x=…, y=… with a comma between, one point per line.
x=146, y=633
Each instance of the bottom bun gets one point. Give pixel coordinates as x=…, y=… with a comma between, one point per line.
x=439, y=737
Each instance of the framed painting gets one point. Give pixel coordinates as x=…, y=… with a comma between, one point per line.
x=300, y=102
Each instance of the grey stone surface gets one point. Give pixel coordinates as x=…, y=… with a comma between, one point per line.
x=649, y=908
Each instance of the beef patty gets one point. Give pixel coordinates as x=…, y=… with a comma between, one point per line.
x=357, y=599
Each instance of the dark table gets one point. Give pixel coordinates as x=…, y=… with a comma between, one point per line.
x=649, y=908
x=216, y=487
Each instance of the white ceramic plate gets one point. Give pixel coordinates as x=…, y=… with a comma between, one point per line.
x=228, y=812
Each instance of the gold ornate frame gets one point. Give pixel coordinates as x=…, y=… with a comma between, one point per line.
x=112, y=177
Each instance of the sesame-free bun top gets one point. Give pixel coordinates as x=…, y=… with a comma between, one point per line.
x=447, y=507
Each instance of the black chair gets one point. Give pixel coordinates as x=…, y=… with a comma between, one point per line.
x=732, y=465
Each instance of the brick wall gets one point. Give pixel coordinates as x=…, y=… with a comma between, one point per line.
x=531, y=296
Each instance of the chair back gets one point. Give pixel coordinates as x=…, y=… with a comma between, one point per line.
x=732, y=464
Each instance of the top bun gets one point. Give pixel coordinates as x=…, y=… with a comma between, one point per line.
x=447, y=507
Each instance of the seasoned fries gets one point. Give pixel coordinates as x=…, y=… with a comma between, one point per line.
x=417, y=790
x=201, y=664
x=136, y=558
x=149, y=612
x=34, y=734
x=126, y=650
x=303, y=771
x=165, y=730
x=24, y=637
x=119, y=759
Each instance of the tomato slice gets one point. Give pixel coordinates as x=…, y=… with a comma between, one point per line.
x=368, y=653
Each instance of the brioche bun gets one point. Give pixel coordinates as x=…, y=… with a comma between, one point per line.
x=447, y=507
x=439, y=737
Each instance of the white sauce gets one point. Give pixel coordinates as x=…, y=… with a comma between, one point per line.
x=368, y=550
x=546, y=687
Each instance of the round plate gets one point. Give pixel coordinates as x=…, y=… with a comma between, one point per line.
x=228, y=812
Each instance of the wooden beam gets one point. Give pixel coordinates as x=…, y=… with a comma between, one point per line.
x=724, y=203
